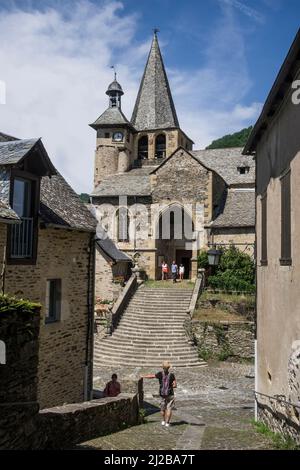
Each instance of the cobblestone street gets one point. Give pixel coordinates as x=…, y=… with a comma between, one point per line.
x=214, y=409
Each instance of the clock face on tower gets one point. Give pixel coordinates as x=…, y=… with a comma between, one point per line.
x=118, y=136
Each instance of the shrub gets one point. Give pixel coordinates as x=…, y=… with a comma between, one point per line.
x=203, y=259
x=235, y=272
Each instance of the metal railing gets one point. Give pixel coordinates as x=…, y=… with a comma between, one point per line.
x=21, y=241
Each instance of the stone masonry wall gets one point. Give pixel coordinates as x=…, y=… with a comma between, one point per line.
x=236, y=235
x=65, y=426
x=223, y=339
x=61, y=255
x=279, y=416
x=18, y=379
x=181, y=179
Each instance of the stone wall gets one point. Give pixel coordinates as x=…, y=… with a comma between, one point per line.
x=243, y=235
x=280, y=416
x=63, y=427
x=18, y=379
x=106, y=275
x=64, y=348
x=223, y=340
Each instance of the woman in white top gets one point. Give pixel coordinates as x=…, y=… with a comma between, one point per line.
x=181, y=272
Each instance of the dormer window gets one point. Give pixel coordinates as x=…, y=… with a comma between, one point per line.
x=243, y=169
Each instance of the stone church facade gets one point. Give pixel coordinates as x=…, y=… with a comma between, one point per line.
x=154, y=196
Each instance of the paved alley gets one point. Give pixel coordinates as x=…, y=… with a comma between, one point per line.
x=214, y=409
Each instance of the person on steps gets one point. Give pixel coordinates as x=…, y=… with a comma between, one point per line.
x=164, y=271
x=167, y=383
x=181, y=272
x=174, y=271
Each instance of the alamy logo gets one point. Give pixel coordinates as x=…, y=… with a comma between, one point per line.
x=2, y=92
x=296, y=94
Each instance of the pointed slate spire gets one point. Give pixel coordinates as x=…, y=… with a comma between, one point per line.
x=154, y=107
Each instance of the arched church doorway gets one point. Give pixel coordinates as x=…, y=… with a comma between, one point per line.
x=160, y=146
x=143, y=148
x=174, y=236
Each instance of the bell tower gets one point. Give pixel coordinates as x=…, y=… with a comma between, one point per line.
x=114, y=139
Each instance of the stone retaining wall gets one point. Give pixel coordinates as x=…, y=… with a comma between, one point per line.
x=18, y=378
x=280, y=417
x=223, y=340
x=65, y=426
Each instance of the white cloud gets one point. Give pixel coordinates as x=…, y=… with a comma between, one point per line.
x=57, y=67
x=56, y=72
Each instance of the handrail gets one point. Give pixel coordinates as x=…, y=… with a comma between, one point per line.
x=278, y=398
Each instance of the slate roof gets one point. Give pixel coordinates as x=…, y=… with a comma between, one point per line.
x=7, y=213
x=110, y=117
x=62, y=207
x=154, y=107
x=238, y=210
x=114, y=86
x=6, y=137
x=11, y=152
x=225, y=162
x=134, y=183
x=112, y=251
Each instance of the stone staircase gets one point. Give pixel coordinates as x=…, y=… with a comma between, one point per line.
x=150, y=331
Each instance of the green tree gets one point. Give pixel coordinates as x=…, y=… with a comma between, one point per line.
x=84, y=197
x=238, y=139
x=235, y=272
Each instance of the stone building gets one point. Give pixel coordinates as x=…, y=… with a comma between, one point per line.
x=275, y=141
x=47, y=256
x=153, y=194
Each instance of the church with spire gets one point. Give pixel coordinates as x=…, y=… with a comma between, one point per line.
x=149, y=183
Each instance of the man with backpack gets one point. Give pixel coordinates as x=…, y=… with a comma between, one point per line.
x=167, y=383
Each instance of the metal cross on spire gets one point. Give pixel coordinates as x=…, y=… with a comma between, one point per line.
x=156, y=30
x=115, y=73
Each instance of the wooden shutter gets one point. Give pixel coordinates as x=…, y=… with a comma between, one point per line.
x=286, y=256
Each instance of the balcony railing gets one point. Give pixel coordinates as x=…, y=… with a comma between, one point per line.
x=22, y=239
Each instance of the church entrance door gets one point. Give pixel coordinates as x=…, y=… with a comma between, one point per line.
x=184, y=257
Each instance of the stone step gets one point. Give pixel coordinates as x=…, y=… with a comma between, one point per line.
x=164, y=290
x=164, y=336
x=154, y=320
x=148, y=323
x=145, y=341
x=160, y=307
x=150, y=357
x=144, y=349
x=117, y=346
x=107, y=361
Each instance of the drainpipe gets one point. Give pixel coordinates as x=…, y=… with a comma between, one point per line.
x=88, y=370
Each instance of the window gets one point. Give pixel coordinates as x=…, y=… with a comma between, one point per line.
x=53, y=300
x=143, y=148
x=160, y=146
x=21, y=236
x=123, y=224
x=264, y=235
x=107, y=135
x=285, y=259
x=243, y=169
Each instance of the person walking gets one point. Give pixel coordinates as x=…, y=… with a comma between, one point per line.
x=164, y=271
x=167, y=383
x=181, y=272
x=174, y=270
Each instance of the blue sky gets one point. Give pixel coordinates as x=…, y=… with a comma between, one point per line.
x=221, y=56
